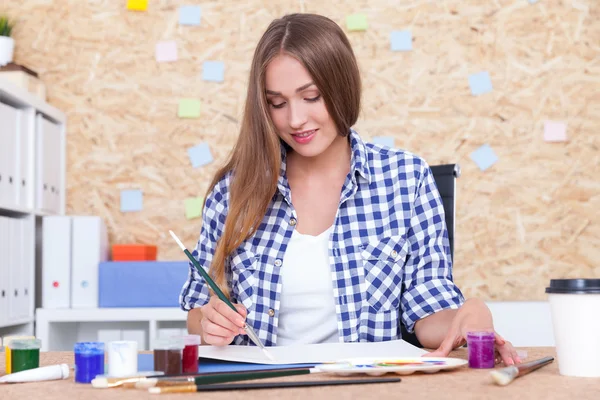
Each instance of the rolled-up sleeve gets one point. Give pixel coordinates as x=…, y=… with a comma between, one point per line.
x=429, y=286
x=195, y=291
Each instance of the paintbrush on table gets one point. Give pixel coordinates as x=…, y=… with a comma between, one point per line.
x=506, y=375
x=269, y=385
x=186, y=379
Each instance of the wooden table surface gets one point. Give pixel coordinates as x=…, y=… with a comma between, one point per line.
x=459, y=384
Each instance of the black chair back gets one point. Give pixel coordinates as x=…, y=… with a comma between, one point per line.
x=445, y=179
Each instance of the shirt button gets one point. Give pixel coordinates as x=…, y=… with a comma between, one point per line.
x=293, y=222
x=271, y=312
x=394, y=253
x=278, y=263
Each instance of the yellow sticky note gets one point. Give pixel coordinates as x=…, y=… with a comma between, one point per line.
x=357, y=22
x=193, y=207
x=137, y=5
x=189, y=108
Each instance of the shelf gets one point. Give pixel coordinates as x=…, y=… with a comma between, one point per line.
x=111, y=314
x=22, y=98
x=60, y=329
x=16, y=322
x=22, y=210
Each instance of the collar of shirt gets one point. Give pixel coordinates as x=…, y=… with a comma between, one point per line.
x=358, y=164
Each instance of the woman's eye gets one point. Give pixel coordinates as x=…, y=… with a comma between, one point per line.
x=280, y=105
x=312, y=100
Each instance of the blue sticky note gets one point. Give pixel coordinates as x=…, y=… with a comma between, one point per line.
x=384, y=140
x=200, y=155
x=213, y=71
x=401, y=40
x=484, y=157
x=480, y=83
x=190, y=15
x=131, y=200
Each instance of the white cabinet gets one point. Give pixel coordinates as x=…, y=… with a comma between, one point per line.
x=59, y=329
x=32, y=155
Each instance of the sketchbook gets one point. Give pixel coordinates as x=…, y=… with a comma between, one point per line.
x=311, y=353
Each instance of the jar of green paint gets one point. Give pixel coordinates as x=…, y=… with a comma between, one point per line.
x=25, y=354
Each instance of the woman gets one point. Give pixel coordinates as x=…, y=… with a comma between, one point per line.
x=316, y=235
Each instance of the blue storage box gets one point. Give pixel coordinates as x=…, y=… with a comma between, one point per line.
x=141, y=283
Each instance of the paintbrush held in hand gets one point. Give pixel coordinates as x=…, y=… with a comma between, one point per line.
x=504, y=376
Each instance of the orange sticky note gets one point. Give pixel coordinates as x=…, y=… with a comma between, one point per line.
x=137, y=5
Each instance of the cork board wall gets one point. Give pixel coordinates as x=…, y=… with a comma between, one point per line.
x=531, y=216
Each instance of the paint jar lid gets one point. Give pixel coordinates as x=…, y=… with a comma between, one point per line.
x=480, y=335
x=8, y=339
x=90, y=348
x=574, y=286
x=172, y=343
x=191, y=340
x=25, y=344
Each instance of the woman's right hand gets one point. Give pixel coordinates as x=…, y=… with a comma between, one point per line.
x=220, y=324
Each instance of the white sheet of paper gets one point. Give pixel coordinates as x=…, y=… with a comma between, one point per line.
x=311, y=353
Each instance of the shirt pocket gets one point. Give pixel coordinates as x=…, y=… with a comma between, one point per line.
x=383, y=261
x=243, y=277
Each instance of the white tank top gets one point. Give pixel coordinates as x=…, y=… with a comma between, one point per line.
x=307, y=311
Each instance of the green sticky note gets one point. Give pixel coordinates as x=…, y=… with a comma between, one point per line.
x=193, y=207
x=357, y=22
x=189, y=108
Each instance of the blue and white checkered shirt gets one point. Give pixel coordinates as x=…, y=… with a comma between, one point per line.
x=389, y=250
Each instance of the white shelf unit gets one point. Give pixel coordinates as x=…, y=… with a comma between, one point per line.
x=60, y=329
x=33, y=184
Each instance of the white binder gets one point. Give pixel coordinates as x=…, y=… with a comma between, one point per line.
x=56, y=262
x=4, y=278
x=8, y=159
x=15, y=272
x=89, y=249
x=29, y=256
x=26, y=158
x=52, y=132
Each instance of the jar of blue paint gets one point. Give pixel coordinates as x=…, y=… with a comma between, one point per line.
x=89, y=361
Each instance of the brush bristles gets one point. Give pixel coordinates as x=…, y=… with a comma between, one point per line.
x=100, y=383
x=501, y=378
x=146, y=383
x=269, y=356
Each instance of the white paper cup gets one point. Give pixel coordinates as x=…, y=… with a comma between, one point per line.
x=575, y=309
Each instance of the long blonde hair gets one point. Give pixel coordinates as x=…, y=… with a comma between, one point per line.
x=324, y=50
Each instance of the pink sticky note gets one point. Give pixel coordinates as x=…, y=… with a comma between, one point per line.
x=555, y=131
x=166, y=51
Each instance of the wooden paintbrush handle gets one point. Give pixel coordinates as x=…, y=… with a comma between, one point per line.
x=173, y=389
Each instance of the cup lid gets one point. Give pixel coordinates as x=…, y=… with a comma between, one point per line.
x=574, y=286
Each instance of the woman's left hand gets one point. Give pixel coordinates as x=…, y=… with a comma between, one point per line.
x=474, y=315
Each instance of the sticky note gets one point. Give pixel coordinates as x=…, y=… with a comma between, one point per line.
x=484, y=157
x=480, y=83
x=131, y=200
x=193, y=207
x=213, y=71
x=190, y=15
x=137, y=5
x=166, y=51
x=189, y=108
x=200, y=155
x=384, y=140
x=555, y=131
x=357, y=22
x=401, y=41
